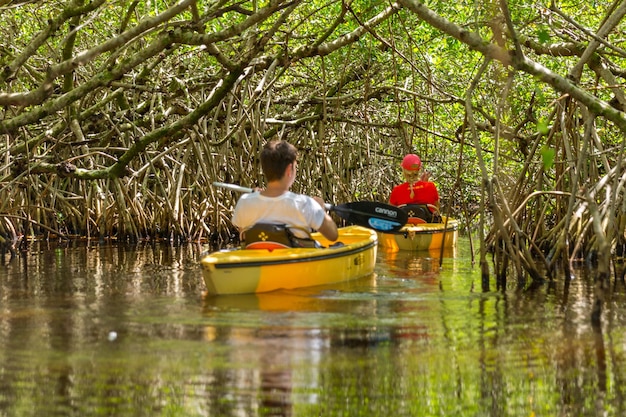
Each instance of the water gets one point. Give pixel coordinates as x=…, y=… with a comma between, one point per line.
x=97, y=330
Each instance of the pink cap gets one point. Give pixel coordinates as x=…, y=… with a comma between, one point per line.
x=411, y=162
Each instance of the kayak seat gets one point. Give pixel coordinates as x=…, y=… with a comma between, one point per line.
x=274, y=236
x=416, y=220
x=420, y=213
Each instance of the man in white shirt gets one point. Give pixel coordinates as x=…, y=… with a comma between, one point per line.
x=276, y=204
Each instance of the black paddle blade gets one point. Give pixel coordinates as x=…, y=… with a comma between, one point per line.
x=378, y=216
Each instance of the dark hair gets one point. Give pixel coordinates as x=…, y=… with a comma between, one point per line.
x=276, y=157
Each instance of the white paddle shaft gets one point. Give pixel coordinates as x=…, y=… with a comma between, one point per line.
x=233, y=187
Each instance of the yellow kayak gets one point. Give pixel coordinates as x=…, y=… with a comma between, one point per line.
x=421, y=237
x=242, y=271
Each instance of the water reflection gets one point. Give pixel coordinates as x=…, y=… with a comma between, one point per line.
x=264, y=383
x=415, y=338
x=318, y=298
x=58, y=305
x=422, y=264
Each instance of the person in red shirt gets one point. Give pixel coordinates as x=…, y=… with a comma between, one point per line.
x=417, y=189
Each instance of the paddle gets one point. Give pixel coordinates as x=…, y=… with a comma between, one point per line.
x=381, y=217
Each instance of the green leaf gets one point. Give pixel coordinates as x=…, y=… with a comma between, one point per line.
x=547, y=155
x=542, y=127
x=543, y=35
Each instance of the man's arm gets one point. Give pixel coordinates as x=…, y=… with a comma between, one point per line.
x=328, y=229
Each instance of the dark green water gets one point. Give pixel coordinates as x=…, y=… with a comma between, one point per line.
x=91, y=330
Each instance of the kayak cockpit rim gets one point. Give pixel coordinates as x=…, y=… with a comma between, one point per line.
x=331, y=253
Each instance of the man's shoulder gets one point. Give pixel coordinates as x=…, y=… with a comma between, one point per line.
x=249, y=196
x=290, y=195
